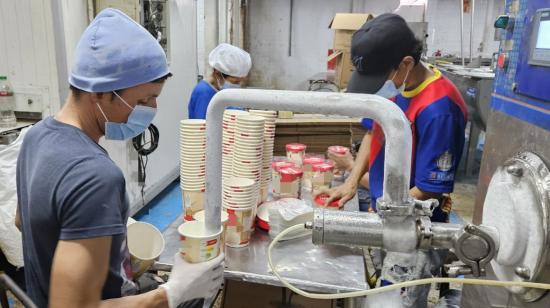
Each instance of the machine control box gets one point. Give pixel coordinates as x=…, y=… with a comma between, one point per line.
x=540, y=39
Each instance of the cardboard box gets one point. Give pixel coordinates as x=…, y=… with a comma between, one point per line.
x=251, y=295
x=344, y=24
x=344, y=68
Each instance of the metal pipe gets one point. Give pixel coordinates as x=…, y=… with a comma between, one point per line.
x=445, y=234
x=6, y=283
x=472, y=5
x=347, y=228
x=394, y=123
x=462, y=31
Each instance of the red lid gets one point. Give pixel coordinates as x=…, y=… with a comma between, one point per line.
x=295, y=147
x=323, y=167
x=322, y=198
x=290, y=174
x=338, y=149
x=276, y=165
x=312, y=160
x=262, y=224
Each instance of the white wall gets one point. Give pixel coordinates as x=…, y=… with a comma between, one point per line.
x=269, y=40
x=27, y=52
x=269, y=32
x=37, y=53
x=443, y=18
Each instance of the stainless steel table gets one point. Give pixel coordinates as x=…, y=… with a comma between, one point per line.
x=325, y=269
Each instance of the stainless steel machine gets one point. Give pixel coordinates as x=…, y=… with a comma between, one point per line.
x=514, y=178
x=510, y=240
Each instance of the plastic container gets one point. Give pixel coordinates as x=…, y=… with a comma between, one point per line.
x=338, y=150
x=145, y=244
x=295, y=152
x=288, y=183
x=197, y=244
x=7, y=104
x=308, y=170
x=320, y=200
x=278, y=164
x=262, y=217
x=322, y=175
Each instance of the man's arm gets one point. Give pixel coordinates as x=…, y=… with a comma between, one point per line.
x=79, y=271
x=419, y=194
x=347, y=190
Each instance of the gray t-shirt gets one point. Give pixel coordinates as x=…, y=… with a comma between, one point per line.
x=68, y=188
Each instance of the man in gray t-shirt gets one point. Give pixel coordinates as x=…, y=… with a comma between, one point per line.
x=72, y=190
x=72, y=200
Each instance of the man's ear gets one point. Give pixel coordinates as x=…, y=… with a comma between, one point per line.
x=408, y=62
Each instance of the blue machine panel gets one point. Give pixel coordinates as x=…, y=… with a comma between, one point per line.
x=532, y=80
x=522, y=90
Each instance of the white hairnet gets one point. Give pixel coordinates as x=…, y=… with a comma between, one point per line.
x=230, y=60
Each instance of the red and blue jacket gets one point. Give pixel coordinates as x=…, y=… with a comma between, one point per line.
x=438, y=117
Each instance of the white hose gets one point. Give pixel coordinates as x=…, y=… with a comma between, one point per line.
x=406, y=284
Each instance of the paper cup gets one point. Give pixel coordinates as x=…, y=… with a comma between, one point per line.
x=264, y=193
x=238, y=184
x=250, y=118
x=197, y=244
x=234, y=112
x=239, y=225
x=199, y=216
x=145, y=244
x=193, y=202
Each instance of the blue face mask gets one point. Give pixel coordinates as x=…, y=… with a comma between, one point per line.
x=138, y=121
x=389, y=90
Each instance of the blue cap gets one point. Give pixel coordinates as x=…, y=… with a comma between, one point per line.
x=116, y=53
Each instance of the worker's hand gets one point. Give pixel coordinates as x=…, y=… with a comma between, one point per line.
x=342, y=162
x=343, y=193
x=193, y=280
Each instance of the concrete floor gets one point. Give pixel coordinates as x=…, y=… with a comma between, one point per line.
x=464, y=198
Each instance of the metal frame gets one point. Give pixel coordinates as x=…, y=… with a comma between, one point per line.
x=394, y=123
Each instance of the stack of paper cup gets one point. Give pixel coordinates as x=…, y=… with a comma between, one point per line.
x=239, y=200
x=229, y=127
x=239, y=192
x=269, y=141
x=192, y=165
x=248, y=149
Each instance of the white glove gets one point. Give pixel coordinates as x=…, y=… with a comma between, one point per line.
x=193, y=280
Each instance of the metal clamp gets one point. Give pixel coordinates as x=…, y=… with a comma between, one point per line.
x=425, y=207
x=476, y=248
x=390, y=209
x=425, y=233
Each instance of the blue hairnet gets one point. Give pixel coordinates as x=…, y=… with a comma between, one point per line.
x=115, y=53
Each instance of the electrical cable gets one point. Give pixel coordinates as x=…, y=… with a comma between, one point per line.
x=397, y=286
x=144, y=146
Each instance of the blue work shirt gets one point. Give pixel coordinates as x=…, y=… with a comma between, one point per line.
x=438, y=116
x=68, y=189
x=200, y=98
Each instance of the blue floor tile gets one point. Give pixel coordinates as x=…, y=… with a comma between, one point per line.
x=164, y=208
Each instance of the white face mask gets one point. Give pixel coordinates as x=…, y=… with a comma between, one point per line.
x=230, y=85
x=389, y=90
x=227, y=84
